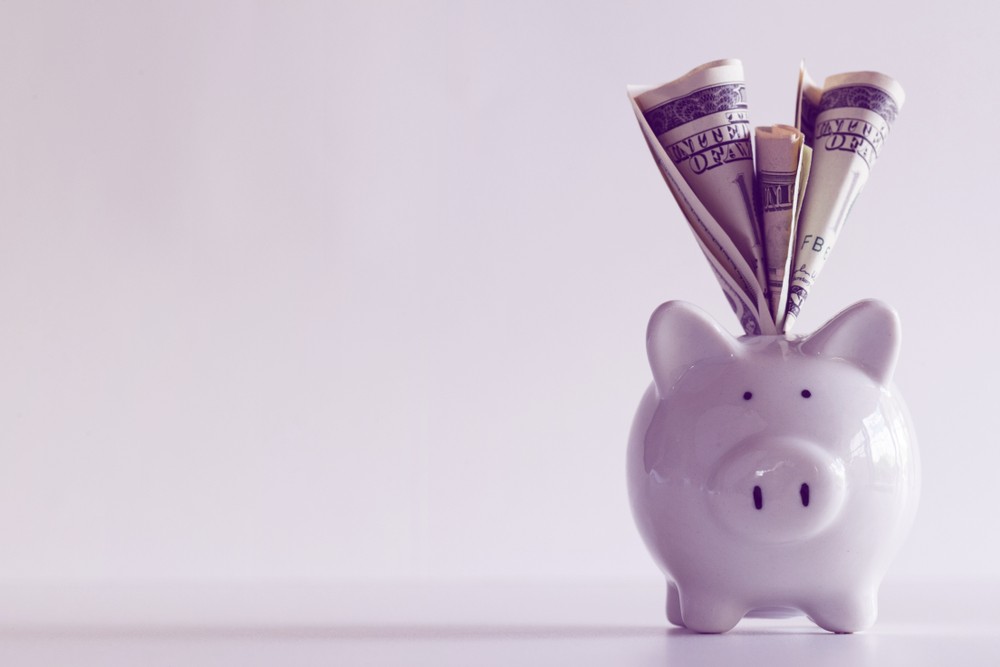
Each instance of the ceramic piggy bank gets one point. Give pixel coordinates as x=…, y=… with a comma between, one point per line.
x=773, y=475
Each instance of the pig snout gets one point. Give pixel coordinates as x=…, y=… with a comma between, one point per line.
x=777, y=489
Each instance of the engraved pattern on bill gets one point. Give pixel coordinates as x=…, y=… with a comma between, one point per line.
x=713, y=148
x=852, y=135
x=674, y=113
x=860, y=97
x=777, y=190
x=701, y=120
x=855, y=113
x=739, y=285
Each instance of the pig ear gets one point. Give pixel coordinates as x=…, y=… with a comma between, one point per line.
x=867, y=334
x=680, y=335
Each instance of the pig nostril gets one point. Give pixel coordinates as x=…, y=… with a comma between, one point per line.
x=758, y=498
x=804, y=493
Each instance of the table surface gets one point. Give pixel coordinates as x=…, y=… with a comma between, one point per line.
x=472, y=623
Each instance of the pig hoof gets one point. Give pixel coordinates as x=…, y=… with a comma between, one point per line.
x=710, y=616
x=674, y=605
x=846, y=615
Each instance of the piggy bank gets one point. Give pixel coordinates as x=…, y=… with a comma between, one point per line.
x=772, y=475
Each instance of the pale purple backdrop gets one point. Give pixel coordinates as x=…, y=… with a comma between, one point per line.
x=353, y=290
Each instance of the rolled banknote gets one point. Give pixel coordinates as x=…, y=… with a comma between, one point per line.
x=702, y=122
x=738, y=282
x=779, y=157
x=851, y=125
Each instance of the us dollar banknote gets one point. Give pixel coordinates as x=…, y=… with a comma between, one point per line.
x=701, y=121
x=766, y=232
x=738, y=281
x=851, y=124
x=782, y=172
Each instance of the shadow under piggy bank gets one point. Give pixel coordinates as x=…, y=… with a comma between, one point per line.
x=773, y=475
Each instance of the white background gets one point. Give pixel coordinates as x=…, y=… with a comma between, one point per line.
x=358, y=290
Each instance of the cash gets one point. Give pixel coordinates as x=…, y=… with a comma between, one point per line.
x=766, y=230
x=702, y=122
x=738, y=282
x=850, y=127
x=782, y=171
x=697, y=129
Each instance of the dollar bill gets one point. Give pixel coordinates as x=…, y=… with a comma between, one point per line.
x=737, y=279
x=851, y=124
x=779, y=161
x=701, y=121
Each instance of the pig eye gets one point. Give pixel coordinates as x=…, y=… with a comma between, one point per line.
x=747, y=396
x=806, y=393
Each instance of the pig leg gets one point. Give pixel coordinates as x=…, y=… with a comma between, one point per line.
x=707, y=612
x=853, y=612
x=674, y=605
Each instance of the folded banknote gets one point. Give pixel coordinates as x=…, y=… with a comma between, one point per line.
x=766, y=225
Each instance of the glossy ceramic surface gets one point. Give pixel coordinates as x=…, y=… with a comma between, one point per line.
x=772, y=475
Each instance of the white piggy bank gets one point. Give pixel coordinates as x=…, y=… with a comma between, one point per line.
x=771, y=475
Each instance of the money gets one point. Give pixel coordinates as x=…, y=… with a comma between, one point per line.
x=701, y=121
x=779, y=159
x=768, y=232
x=739, y=283
x=851, y=124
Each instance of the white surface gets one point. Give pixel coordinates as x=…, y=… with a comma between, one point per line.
x=509, y=623
x=313, y=289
